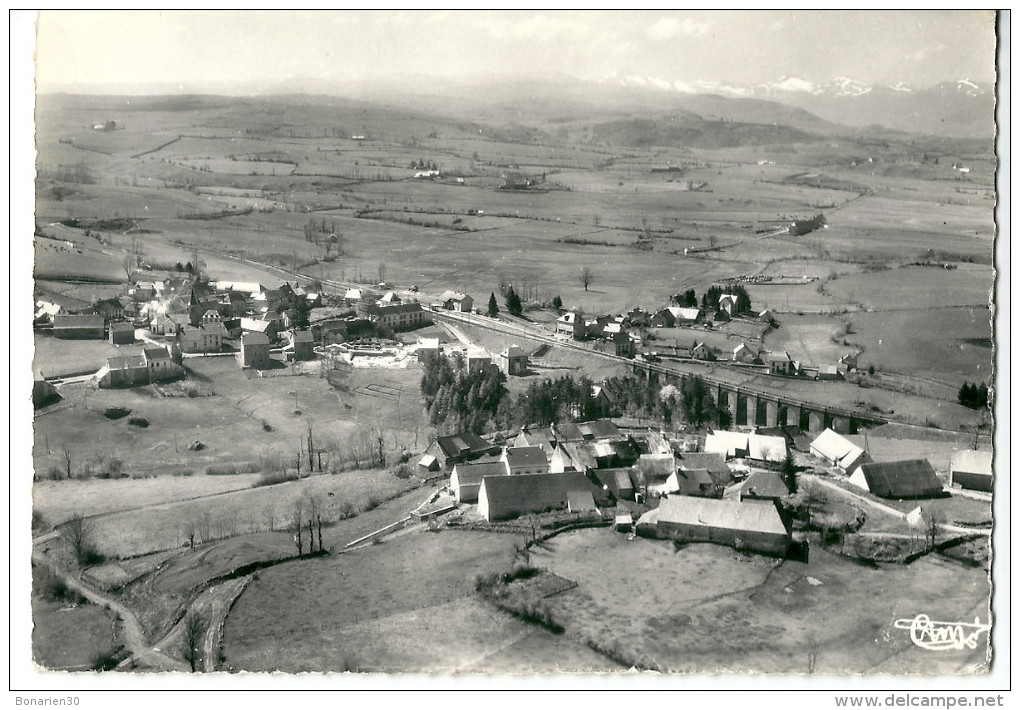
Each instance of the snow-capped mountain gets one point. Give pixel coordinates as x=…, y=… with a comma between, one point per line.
x=958, y=108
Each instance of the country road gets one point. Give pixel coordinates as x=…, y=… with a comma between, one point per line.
x=132, y=636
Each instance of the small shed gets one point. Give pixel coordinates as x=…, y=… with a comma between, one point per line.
x=122, y=333
x=971, y=470
x=429, y=463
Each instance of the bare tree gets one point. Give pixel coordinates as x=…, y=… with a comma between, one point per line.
x=129, y=262
x=189, y=529
x=194, y=630
x=586, y=277
x=298, y=540
x=269, y=515
x=66, y=454
x=79, y=533
x=382, y=271
x=933, y=520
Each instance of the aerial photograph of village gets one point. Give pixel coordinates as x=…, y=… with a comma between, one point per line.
x=512, y=343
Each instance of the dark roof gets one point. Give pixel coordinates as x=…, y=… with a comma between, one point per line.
x=764, y=484
x=156, y=353
x=537, y=490
x=463, y=443
x=526, y=456
x=697, y=476
x=302, y=336
x=395, y=308
x=473, y=473
x=125, y=362
x=578, y=500
x=600, y=429
x=78, y=321
x=119, y=327
x=617, y=479
x=902, y=479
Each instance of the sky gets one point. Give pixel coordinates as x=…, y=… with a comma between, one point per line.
x=192, y=49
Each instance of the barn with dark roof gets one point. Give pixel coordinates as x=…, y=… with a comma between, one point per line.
x=898, y=479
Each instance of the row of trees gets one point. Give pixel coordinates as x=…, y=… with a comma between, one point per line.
x=973, y=395
x=692, y=402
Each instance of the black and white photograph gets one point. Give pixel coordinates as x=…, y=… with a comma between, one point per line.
x=507, y=347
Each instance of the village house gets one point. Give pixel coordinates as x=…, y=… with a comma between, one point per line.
x=254, y=350
x=571, y=456
x=751, y=525
x=971, y=470
x=623, y=345
x=543, y=437
x=745, y=354
x=466, y=478
x=461, y=448
x=456, y=301
x=399, y=316
x=503, y=497
x=898, y=479
x=162, y=324
x=389, y=299
x=780, y=363
x=122, y=333
x=760, y=485
x=838, y=451
x=603, y=402
x=212, y=316
x=110, y=309
x=79, y=327
x=513, y=361
x=713, y=463
x=688, y=482
x=700, y=351
x=153, y=364
x=728, y=303
x=618, y=481
x=260, y=326
x=525, y=460
x=478, y=360
x=514, y=181
x=674, y=316
x=201, y=338
x=728, y=444
x=767, y=316
x=428, y=350
x=571, y=325
x=301, y=345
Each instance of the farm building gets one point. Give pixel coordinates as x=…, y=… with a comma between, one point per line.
x=654, y=469
x=502, y=497
x=428, y=464
x=122, y=333
x=689, y=482
x=389, y=299
x=478, y=360
x=760, y=485
x=594, y=430
x=428, y=349
x=971, y=470
x=43, y=393
x=715, y=464
x=728, y=444
x=254, y=350
x=525, y=460
x=769, y=449
x=898, y=479
x=302, y=344
x=623, y=344
x=352, y=296
x=572, y=456
x=581, y=502
x=159, y=362
x=675, y=315
x=756, y=526
x=466, y=478
x=456, y=301
x=619, y=481
x=513, y=361
x=79, y=327
x=460, y=448
x=543, y=437
x=124, y=371
x=838, y=451
x=570, y=324
x=109, y=308
x=202, y=338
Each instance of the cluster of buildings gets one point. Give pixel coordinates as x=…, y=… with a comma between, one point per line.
x=586, y=466
x=512, y=361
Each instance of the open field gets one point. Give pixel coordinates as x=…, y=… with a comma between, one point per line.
x=356, y=611
x=68, y=635
x=809, y=338
x=739, y=616
x=911, y=287
x=56, y=356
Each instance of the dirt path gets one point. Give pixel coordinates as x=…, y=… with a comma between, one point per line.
x=946, y=527
x=142, y=654
x=212, y=606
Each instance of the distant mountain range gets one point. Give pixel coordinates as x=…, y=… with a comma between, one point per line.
x=963, y=108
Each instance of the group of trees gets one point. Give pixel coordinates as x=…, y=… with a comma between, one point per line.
x=323, y=233
x=456, y=400
x=691, y=403
x=563, y=399
x=973, y=395
x=424, y=165
x=513, y=303
x=710, y=300
x=688, y=299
